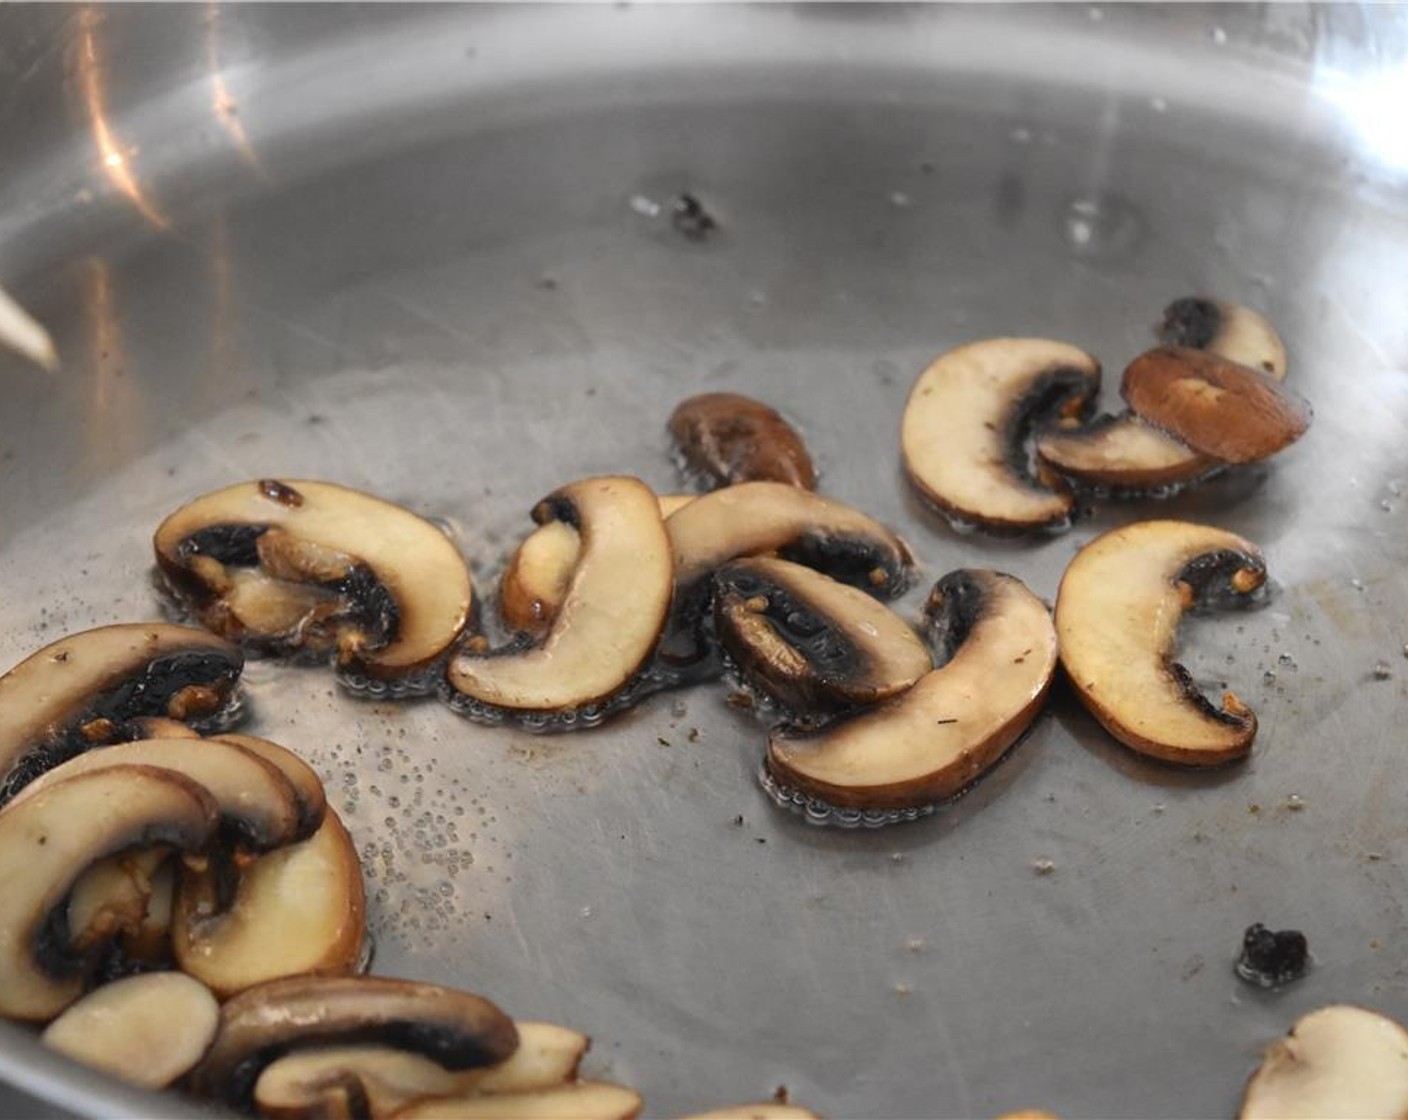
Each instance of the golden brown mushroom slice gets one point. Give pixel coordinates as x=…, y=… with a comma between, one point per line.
x=90, y=688
x=376, y=1081
x=456, y=1030
x=606, y=629
x=726, y=438
x=1117, y=614
x=580, y=1100
x=308, y=792
x=996, y=653
x=1127, y=455
x=1231, y=412
x=966, y=428
x=813, y=645
x=297, y=910
x=146, y=1030
x=1337, y=1063
x=535, y=582
x=313, y=567
x=50, y=839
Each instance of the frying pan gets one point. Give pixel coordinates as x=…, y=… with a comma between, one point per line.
x=429, y=252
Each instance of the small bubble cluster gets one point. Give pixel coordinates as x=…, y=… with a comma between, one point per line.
x=818, y=812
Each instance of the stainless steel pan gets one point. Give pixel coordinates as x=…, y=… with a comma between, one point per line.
x=428, y=252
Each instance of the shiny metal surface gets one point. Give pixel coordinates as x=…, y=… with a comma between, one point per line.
x=427, y=252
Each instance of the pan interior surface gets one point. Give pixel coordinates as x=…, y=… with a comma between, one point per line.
x=435, y=254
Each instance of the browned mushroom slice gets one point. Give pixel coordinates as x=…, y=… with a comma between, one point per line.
x=375, y=1081
x=1228, y=411
x=1339, y=1061
x=1117, y=615
x=47, y=842
x=1237, y=333
x=315, y=567
x=1128, y=455
x=726, y=438
x=996, y=653
x=457, y=1030
x=296, y=910
x=580, y=1100
x=609, y=623
x=87, y=688
x=257, y=803
x=147, y=1030
x=758, y=517
x=966, y=426
x=812, y=644
x=539, y=572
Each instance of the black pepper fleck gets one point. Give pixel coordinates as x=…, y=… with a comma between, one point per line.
x=1272, y=958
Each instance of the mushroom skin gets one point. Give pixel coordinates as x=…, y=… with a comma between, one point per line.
x=457, y=1030
x=811, y=644
x=995, y=652
x=727, y=438
x=298, y=910
x=288, y=567
x=1226, y=410
x=146, y=1030
x=91, y=688
x=1338, y=1061
x=53, y=837
x=1117, y=614
x=966, y=427
x=538, y=574
x=1124, y=455
x=592, y=659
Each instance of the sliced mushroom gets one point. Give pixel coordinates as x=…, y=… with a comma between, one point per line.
x=147, y=1030
x=85, y=689
x=758, y=517
x=726, y=438
x=547, y=1055
x=609, y=623
x=1339, y=1061
x=257, y=803
x=535, y=582
x=457, y=1030
x=348, y=1083
x=1237, y=333
x=312, y=566
x=1229, y=411
x=996, y=653
x=1128, y=455
x=375, y=1081
x=814, y=645
x=296, y=910
x=1124, y=454
x=966, y=427
x=51, y=839
x=580, y=1100
x=763, y=1110
x=1117, y=615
